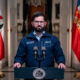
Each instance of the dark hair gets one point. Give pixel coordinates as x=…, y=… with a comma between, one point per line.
x=36, y=14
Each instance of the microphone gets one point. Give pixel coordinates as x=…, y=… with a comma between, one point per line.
x=35, y=49
x=44, y=51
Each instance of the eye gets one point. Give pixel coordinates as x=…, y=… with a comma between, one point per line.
x=39, y=21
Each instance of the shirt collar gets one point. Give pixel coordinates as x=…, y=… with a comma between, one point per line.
x=34, y=33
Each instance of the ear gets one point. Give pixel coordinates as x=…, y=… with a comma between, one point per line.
x=45, y=23
x=32, y=23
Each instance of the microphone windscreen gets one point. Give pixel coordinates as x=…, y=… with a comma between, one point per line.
x=35, y=48
x=43, y=49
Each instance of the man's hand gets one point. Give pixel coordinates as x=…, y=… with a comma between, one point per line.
x=17, y=65
x=61, y=66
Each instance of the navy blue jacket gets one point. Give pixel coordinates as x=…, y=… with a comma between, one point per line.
x=25, y=51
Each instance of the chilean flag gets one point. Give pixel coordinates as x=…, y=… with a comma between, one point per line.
x=1, y=39
x=76, y=32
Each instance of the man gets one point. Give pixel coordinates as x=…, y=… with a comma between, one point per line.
x=39, y=38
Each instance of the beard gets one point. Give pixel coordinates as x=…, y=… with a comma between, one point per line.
x=39, y=30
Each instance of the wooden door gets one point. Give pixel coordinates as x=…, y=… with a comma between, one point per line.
x=33, y=9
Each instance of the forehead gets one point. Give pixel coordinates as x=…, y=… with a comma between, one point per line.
x=39, y=18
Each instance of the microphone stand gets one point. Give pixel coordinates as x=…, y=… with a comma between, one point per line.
x=39, y=62
x=38, y=57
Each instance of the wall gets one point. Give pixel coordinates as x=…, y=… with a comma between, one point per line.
x=65, y=28
x=12, y=30
x=65, y=25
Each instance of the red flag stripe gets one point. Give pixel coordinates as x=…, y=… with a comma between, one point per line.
x=1, y=47
x=76, y=42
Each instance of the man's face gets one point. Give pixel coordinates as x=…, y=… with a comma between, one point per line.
x=39, y=24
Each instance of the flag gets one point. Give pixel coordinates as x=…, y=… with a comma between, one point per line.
x=76, y=32
x=1, y=39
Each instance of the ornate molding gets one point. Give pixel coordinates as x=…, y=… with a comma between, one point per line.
x=36, y=2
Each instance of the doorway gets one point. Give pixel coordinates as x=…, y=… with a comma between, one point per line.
x=29, y=7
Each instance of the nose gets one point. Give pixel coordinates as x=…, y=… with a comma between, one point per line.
x=39, y=23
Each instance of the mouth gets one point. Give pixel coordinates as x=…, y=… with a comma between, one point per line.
x=39, y=27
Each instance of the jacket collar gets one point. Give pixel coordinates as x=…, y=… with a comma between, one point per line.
x=31, y=35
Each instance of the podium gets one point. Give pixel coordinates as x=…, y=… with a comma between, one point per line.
x=39, y=73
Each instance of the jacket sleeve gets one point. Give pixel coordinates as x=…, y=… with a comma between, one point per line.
x=58, y=53
x=20, y=55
